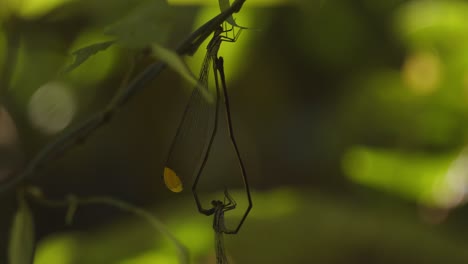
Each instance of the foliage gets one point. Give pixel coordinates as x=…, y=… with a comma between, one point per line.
x=21, y=245
x=81, y=55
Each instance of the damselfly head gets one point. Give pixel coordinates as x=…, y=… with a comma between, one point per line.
x=172, y=181
x=216, y=203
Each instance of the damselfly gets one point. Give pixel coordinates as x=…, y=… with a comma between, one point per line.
x=191, y=146
x=218, y=207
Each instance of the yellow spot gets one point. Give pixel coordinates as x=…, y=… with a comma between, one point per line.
x=172, y=181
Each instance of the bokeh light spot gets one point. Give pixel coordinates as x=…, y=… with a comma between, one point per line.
x=52, y=107
x=422, y=72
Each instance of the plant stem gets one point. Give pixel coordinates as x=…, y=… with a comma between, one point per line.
x=73, y=202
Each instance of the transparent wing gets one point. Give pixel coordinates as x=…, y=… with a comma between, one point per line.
x=221, y=257
x=193, y=133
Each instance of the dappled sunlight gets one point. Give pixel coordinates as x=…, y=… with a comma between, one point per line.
x=428, y=23
x=414, y=176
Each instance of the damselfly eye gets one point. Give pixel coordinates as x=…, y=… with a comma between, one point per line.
x=172, y=181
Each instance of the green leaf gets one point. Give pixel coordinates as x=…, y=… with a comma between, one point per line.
x=224, y=5
x=174, y=61
x=21, y=247
x=83, y=54
x=148, y=23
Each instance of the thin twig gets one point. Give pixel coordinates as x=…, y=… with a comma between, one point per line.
x=74, y=201
x=81, y=131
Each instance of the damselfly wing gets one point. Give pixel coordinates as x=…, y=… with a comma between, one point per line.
x=190, y=143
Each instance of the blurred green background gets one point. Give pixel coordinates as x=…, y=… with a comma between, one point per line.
x=350, y=117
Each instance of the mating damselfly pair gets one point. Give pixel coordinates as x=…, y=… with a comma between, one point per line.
x=191, y=146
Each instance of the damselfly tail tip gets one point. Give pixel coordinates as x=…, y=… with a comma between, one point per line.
x=172, y=181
